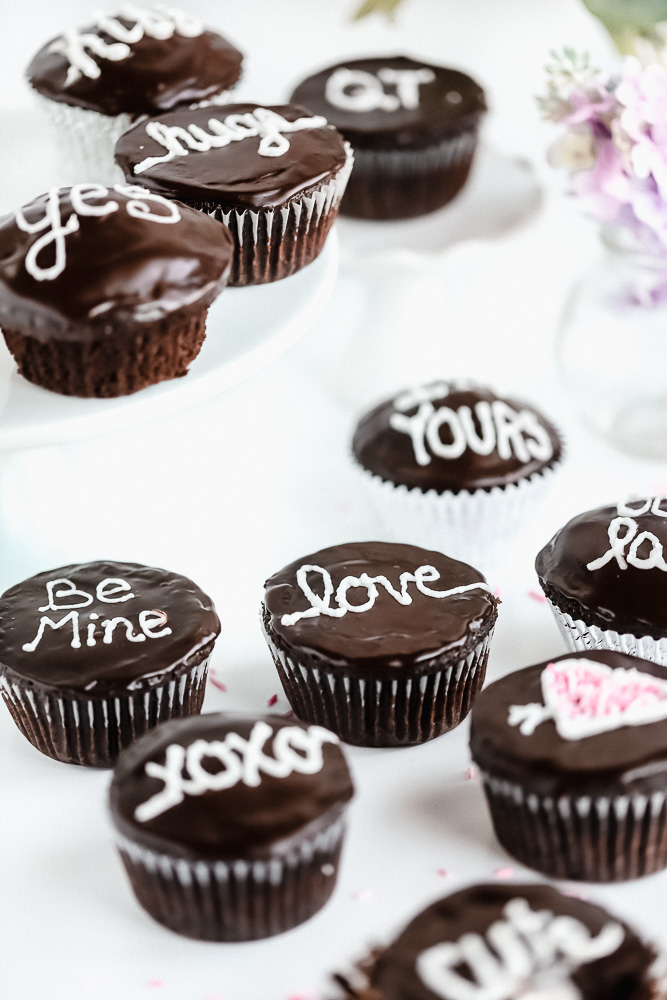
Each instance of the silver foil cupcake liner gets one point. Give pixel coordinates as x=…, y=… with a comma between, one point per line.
x=593, y=839
x=581, y=637
x=93, y=731
x=274, y=243
x=476, y=527
x=236, y=900
x=373, y=712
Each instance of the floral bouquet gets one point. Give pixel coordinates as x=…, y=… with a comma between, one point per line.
x=615, y=144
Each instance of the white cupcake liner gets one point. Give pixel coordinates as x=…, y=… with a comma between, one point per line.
x=588, y=838
x=235, y=900
x=476, y=527
x=383, y=712
x=92, y=731
x=581, y=637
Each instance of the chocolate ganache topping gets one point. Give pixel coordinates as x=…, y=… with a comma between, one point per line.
x=393, y=101
x=220, y=786
x=78, y=261
x=593, y=720
x=511, y=941
x=236, y=156
x=100, y=627
x=378, y=606
x=609, y=567
x=140, y=61
x=454, y=436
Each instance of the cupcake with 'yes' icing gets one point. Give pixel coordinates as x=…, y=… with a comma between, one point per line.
x=573, y=754
x=385, y=644
x=605, y=576
x=454, y=466
x=92, y=83
x=273, y=175
x=413, y=127
x=230, y=827
x=93, y=655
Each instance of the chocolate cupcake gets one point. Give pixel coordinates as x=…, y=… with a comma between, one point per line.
x=91, y=656
x=394, y=664
x=454, y=466
x=605, y=576
x=273, y=175
x=506, y=942
x=104, y=291
x=94, y=82
x=413, y=127
x=230, y=827
x=573, y=754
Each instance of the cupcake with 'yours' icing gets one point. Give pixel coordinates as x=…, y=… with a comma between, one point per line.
x=573, y=754
x=605, y=576
x=95, y=81
x=273, y=175
x=385, y=644
x=413, y=127
x=230, y=827
x=93, y=655
x=454, y=466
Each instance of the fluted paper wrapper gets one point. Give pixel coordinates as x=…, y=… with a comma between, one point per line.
x=476, y=527
x=581, y=637
x=236, y=900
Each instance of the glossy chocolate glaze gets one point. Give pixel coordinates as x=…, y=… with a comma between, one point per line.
x=121, y=664
x=631, y=756
x=157, y=76
x=625, y=600
x=119, y=269
x=436, y=116
x=389, y=637
x=389, y=453
x=238, y=822
x=622, y=975
x=236, y=175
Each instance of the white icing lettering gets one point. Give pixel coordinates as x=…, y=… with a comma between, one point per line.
x=526, y=949
x=322, y=605
x=73, y=617
x=629, y=546
x=243, y=760
x=159, y=22
x=152, y=620
x=67, y=591
x=262, y=122
x=113, y=585
x=360, y=91
x=55, y=230
x=109, y=624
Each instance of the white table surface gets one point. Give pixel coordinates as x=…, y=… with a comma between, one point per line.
x=230, y=490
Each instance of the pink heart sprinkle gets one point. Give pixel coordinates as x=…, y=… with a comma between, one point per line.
x=504, y=873
x=288, y=714
x=272, y=700
x=497, y=593
x=216, y=683
x=155, y=983
x=471, y=773
x=540, y=598
x=443, y=873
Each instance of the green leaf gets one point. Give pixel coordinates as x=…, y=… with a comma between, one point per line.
x=621, y=17
x=386, y=7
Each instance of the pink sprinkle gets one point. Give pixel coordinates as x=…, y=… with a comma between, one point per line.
x=504, y=873
x=443, y=873
x=575, y=893
x=288, y=714
x=540, y=598
x=361, y=895
x=155, y=983
x=216, y=683
x=471, y=773
x=497, y=593
x=301, y=996
x=273, y=700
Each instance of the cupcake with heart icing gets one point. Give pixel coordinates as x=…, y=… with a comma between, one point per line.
x=573, y=754
x=94, y=82
x=230, y=827
x=454, y=466
x=605, y=577
x=511, y=942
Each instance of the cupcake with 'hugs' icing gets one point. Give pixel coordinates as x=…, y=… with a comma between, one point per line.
x=273, y=175
x=413, y=127
x=230, y=827
x=456, y=467
x=95, y=81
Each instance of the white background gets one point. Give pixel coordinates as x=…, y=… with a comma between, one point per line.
x=230, y=490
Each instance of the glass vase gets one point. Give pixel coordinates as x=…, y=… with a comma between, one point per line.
x=612, y=344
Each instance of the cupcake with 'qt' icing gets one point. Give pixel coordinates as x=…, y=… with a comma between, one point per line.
x=95, y=81
x=273, y=175
x=413, y=127
x=454, y=466
x=230, y=827
x=385, y=644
